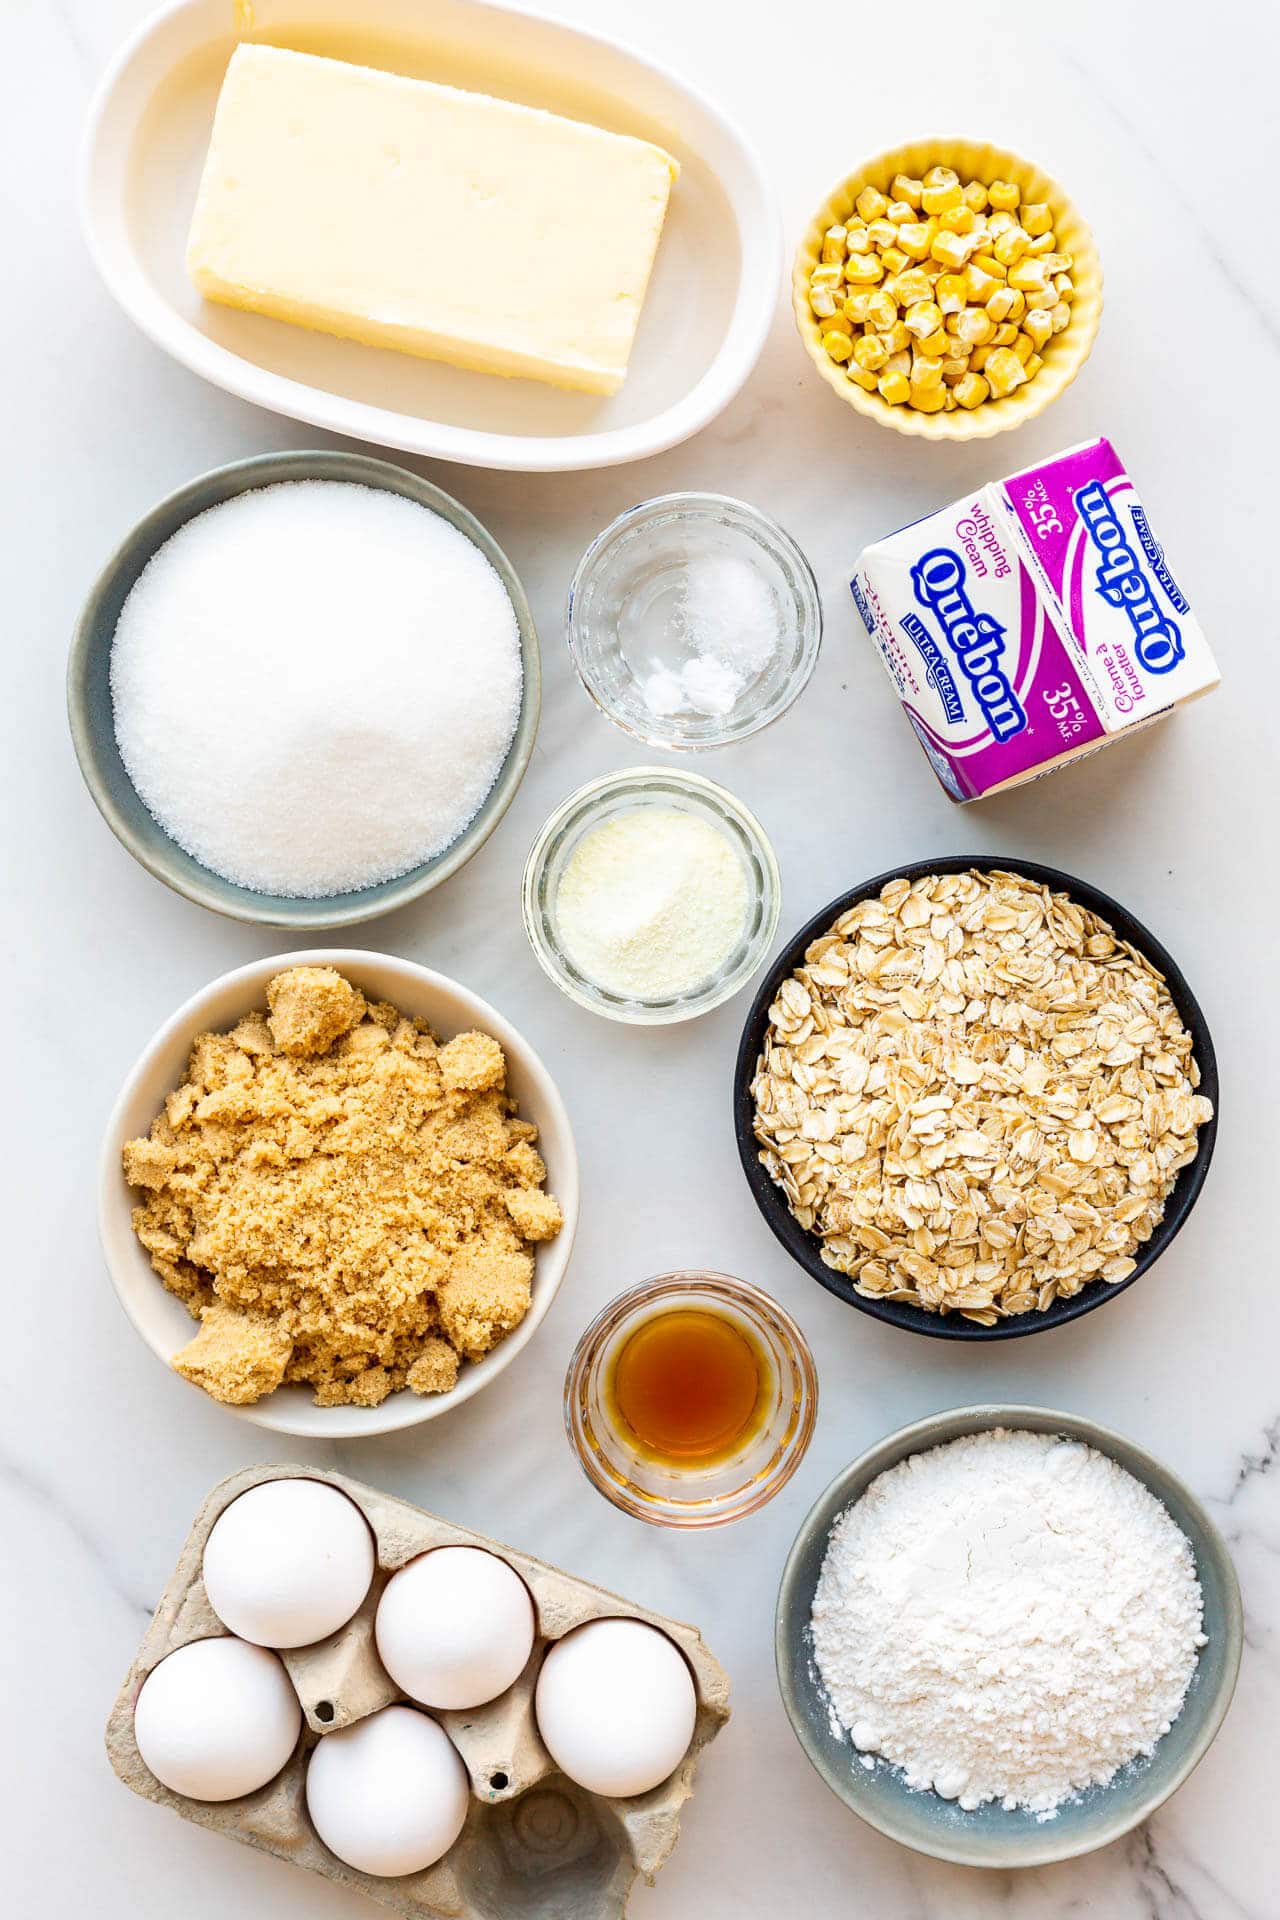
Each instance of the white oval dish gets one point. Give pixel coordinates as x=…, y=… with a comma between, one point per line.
x=164, y=1322
x=145, y=142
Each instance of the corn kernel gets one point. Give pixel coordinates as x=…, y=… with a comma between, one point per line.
x=899, y=210
x=988, y=264
x=895, y=388
x=1064, y=286
x=1010, y=246
x=928, y=399
x=971, y=391
x=911, y=286
x=838, y=345
x=1028, y=276
x=1033, y=365
x=827, y=275
x=951, y=400
x=975, y=196
x=952, y=249
x=856, y=307
x=1000, y=223
x=897, y=337
x=1057, y=263
x=958, y=219
x=857, y=240
x=1005, y=334
x=899, y=362
x=979, y=358
x=924, y=316
x=1004, y=371
x=940, y=177
x=1024, y=347
x=1021, y=301
x=935, y=345
x=839, y=323
x=954, y=370
x=1047, y=298
x=863, y=269
x=1003, y=194
x=979, y=286
x=894, y=259
x=916, y=239
x=881, y=309
x=833, y=245
x=903, y=187
x=1037, y=327
x=1061, y=317
x=1000, y=304
x=861, y=378
x=951, y=292
x=975, y=327
x=871, y=203
x=870, y=352
x=941, y=199
x=822, y=301
x=926, y=372
x=1036, y=218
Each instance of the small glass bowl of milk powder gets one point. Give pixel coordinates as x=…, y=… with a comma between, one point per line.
x=651, y=896
x=694, y=620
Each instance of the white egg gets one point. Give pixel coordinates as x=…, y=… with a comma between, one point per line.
x=288, y=1563
x=455, y=1627
x=615, y=1706
x=217, y=1719
x=388, y=1795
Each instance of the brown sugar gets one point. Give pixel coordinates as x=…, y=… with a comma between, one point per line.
x=339, y=1199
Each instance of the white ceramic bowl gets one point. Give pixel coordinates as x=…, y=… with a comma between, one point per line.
x=709, y=306
x=164, y=1322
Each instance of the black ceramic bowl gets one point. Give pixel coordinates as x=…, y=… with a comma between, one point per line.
x=804, y=1247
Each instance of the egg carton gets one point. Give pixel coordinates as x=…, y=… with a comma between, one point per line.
x=535, y=1846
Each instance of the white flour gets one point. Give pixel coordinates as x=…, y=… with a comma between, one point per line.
x=1009, y=1617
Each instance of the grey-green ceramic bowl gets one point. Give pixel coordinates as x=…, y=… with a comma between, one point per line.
x=93, y=730
x=990, y=1837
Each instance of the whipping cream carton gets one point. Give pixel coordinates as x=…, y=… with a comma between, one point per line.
x=1032, y=622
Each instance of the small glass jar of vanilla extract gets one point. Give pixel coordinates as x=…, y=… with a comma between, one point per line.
x=690, y=1400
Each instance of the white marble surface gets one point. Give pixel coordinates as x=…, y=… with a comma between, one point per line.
x=103, y=1457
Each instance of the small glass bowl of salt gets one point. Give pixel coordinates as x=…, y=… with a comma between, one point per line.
x=693, y=621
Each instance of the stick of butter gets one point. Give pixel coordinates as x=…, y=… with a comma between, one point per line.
x=442, y=223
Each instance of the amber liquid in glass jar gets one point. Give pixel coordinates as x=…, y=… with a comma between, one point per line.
x=689, y=1386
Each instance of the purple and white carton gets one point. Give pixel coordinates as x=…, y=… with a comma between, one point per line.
x=1032, y=622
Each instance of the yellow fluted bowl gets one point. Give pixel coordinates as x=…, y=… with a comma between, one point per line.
x=1063, y=355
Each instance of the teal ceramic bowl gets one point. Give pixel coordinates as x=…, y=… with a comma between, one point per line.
x=93, y=729
x=990, y=1837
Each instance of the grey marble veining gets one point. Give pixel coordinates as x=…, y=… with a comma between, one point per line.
x=1160, y=119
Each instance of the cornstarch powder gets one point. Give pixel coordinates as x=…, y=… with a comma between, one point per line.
x=315, y=685
x=1010, y=1617
x=651, y=903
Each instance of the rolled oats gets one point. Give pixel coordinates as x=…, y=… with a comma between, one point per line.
x=976, y=1095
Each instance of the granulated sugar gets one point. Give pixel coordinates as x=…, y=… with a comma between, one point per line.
x=315, y=685
x=1010, y=1617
